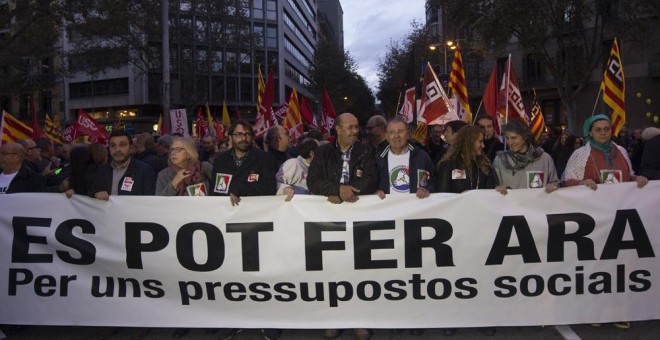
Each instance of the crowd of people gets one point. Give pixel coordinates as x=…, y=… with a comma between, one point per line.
x=342, y=167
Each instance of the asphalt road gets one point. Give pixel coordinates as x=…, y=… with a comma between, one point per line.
x=638, y=331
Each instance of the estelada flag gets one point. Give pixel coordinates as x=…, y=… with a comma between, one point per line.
x=13, y=129
x=435, y=102
x=614, y=88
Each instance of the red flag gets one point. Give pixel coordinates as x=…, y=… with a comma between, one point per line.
x=307, y=113
x=201, y=124
x=328, y=114
x=87, y=125
x=161, y=125
x=490, y=98
x=510, y=104
x=435, y=102
x=264, y=118
x=237, y=114
x=280, y=112
x=36, y=131
x=408, y=108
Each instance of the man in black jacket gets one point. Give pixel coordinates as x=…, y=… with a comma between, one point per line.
x=344, y=168
x=123, y=175
x=16, y=176
x=243, y=170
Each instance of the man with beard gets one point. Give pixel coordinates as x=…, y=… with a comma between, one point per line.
x=123, y=175
x=243, y=170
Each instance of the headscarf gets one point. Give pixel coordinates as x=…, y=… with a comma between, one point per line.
x=605, y=148
x=195, y=177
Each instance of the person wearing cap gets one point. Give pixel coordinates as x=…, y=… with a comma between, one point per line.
x=523, y=165
x=600, y=160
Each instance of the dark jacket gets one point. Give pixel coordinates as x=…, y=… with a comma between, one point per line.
x=474, y=180
x=26, y=180
x=279, y=158
x=418, y=160
x=255, y=176
x=650, y=166
x=150, y=157
x=142, y=175
x=492, y=146
x=325, y=171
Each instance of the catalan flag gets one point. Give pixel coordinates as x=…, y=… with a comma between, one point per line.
x=293, y=118
x=13, y=129
x=53, y=132
x=537, y=124
x=261, y=86
x=614, y=88
x=458, y=87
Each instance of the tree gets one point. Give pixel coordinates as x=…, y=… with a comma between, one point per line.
x=335, y=70
x=566, y=36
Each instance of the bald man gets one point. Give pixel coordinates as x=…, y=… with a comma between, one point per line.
x=376, y=126
x=16, y=176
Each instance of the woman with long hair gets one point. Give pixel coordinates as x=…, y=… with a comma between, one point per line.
x=184, y=175
x=465, y=166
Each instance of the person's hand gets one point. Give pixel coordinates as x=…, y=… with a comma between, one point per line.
x=381, y=194
x=641, y=181
x=334, y=199
x=589, y=183
x=289, y=192
x=69, y=193
x=422, y=193
x=348, y=193
x=551, y=187
x=180, y=176
x=501, y=189
x=234, y=199
x=64, y=186
x=47, y=171
x=102, y=195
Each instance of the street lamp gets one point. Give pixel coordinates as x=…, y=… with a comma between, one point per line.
x=449, y=44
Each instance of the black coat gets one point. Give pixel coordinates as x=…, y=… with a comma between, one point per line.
x=325, y=170
x=150, y=157
x=26, y=180
x=142, y=175
x=255, y=176
x=418, y=160
x=650, y=166
x=474, y=180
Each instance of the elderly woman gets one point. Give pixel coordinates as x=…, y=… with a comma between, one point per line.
x=184, y=175
x=523, y=165
x=465, y=166
x=600, y=160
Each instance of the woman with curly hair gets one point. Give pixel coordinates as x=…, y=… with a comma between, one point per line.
x=465, y=166
x=184, y=175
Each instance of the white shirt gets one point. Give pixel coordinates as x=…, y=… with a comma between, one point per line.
x=399, y=172
x=5, y=181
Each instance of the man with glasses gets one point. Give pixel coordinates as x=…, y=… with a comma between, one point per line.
x=16, y=176
x=243, y=170
x=123, y=175
x=33, y=157
x=403, y=168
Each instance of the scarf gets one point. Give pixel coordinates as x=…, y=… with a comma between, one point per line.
x=607, y=147
x=519, y=161
x=194, y=178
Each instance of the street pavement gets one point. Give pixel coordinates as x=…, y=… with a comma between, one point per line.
x=639, y=331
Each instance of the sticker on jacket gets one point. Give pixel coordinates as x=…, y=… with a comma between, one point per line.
x=423, y=177
x=400, y=179
x=127, y=184
x=610, y=176
x=198, y=189
x=458, y=174
x=222, y=182
x=535, y=179
x=253, y=178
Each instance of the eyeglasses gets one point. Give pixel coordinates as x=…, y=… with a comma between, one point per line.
x=177, y=150
x=241, y=135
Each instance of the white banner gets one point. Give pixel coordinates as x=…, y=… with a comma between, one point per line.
x=179, y=122
x=474, y=259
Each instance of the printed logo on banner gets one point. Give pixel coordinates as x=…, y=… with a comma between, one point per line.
x=198, y=189
x=458, y=174
x=400, y=179
x=535, y=179
x=610, y=176
x=222, y=182
x=127, y=184
x=253, y=178
x=423, y=177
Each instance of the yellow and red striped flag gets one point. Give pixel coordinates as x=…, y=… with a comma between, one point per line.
x=458, y=87
x=261, y=86
x=53, y=131
x=293, y=118
x=614, y=88
x=537, y=124
x=13, y=129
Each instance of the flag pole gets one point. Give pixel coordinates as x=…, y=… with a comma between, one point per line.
x=477, y=113
x=600, y=90
x=398, y=101
x=508, y=80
